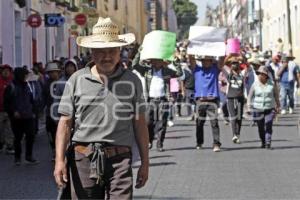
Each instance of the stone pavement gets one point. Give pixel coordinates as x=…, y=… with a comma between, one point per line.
x=241, y=171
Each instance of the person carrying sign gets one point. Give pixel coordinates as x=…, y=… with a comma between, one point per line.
x=157, y=76
x=105, y=102
x=207, y=98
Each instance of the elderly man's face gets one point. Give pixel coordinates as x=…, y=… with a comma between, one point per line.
x=106, y=58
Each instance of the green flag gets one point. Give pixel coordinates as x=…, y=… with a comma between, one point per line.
x=158, y=45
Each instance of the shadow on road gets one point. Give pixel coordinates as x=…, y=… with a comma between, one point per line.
x=181, y=125
x=179, y=130
x=285, y=147
x=285, y=125
x=157, y=197
x=158, y=164
x=255, y=141
x=258, y=147
x=162, y=156
x=177, y=137
x=186, y=148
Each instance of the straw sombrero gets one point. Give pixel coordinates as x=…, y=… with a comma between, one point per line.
x=105, y=35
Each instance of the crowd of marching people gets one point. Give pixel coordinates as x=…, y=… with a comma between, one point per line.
x=251, y=84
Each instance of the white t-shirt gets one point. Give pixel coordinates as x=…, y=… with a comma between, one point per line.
x=157, y=85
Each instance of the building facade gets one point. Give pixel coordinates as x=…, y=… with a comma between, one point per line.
x=140, y=16
x=20, y=44
x=275, y=25
x=130, y=15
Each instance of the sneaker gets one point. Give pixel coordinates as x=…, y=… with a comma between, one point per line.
x=199, y=146
x=216, y=148
x=32, y=161
x=234, y=139
x=283, y=112
x=160, y=149
x=170, y=123
x=238, y=141
x=291, y=111
x=17, y=161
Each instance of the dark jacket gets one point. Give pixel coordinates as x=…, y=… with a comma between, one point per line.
x=18, y=98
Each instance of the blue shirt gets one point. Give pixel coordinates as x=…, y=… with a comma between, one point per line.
x=285, y=80
x=206, y=81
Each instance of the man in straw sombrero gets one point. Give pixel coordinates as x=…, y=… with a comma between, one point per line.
x=106, y=104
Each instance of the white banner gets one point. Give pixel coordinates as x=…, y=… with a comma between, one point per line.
x=207, y=41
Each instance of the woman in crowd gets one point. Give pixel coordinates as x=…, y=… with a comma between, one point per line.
x=263, y=99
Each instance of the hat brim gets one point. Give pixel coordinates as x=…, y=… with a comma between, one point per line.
x=259, y=72
x=52, y=70
x=93, y=41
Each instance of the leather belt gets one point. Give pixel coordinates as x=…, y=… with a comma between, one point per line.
x=206, y=99
x=109, y=151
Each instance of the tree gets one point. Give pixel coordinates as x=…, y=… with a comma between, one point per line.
x=186, y=13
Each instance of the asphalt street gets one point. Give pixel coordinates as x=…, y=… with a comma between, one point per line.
x=239, y=171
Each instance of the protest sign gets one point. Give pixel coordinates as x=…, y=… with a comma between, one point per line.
x=207, y=41
x=158, y=45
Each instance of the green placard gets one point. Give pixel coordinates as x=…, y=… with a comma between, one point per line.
x=158, y=45
x=74, y=27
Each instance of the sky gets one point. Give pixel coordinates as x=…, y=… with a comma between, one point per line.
x=202, y=8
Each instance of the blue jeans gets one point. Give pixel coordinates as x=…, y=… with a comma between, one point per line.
x=264, y=121
x=284, y=93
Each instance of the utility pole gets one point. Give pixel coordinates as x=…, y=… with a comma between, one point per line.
x=165, y=15
x=260, y=26
x=289, y=27
x=153, y=14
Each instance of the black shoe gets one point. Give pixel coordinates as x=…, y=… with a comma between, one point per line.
x=268, y=146
x=199, y=146
x=31, y=161
x=263, y=145
x=17, y=161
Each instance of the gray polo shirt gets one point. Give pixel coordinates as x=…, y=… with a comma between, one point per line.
x=103, y=112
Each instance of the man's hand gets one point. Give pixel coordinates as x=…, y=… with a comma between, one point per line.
x=60, y=173
x=142, y=176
